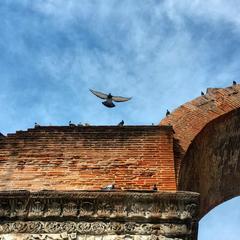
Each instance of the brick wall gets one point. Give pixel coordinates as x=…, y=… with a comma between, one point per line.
x=190, y=118
x=211, y=165
x=88, y=158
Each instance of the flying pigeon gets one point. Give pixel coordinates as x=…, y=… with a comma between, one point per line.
x=109, y=98
x=121, y=123
x=234, y=83
x=108, y=187
x=167, y=113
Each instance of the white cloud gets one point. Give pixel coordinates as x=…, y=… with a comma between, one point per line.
x=144, y=50
x=212, y=10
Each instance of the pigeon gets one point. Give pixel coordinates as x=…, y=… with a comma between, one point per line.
x=234, y=83
x=154, y=187
x=167, y=113
x=108, y=187
x=121, y=123
x=71, y=124
x=36, y=125
x=109, y=98
x=202, y=93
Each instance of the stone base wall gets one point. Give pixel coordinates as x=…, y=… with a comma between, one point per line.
x=98, y=215
x=65, y=236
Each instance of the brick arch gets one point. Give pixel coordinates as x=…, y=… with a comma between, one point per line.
x=211, y=165
x=190, y=118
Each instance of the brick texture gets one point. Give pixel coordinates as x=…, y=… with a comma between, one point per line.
x=211, y=165
x=190, y=118
x=88, y=158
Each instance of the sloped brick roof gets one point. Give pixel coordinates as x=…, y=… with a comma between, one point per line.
x=190, y=118
x=87, y=158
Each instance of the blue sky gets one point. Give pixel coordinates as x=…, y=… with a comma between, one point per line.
x=161, y=53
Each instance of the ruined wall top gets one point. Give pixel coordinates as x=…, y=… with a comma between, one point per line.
x=190, y=118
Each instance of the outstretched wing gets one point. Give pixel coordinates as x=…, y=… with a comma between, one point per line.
x=99, y=94
x=120, y=99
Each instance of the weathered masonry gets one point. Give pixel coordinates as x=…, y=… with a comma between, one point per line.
x=51, y=177
x=98, y=215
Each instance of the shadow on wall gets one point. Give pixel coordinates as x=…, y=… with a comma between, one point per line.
x=178, y=156
x=211, y=165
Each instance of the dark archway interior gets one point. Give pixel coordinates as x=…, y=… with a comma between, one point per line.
x=211, y=165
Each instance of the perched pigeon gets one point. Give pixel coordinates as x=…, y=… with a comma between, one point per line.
x=121, y=123
x=167, y=113
x=234, y=83
x=36, y=125
x=108, y=187
x=109, y=98
x=202, y=93
x=71, y=124
x=154, y=187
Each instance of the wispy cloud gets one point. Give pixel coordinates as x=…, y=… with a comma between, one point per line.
x=162, y=53
x=153, y=51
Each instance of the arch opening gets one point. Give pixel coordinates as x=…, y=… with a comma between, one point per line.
x=211, y=165
x=222, y=222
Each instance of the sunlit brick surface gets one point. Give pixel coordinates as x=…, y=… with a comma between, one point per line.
x=190, y=118
x=88, y=158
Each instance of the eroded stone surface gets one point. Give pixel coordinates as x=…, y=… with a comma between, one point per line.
x=212, y=163
x=74, y=236
x=95, y=228
x=140, y=206
x=98, y=215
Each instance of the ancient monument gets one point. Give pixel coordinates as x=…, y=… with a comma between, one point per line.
x=51, y=177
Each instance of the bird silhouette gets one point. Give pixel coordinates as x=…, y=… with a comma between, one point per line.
x=234, y=83
x=36, y=125
x=108, y=187
x=167, y=113
x=109, y=98
x=154, y=187
x=202, y=93
x=121, y=123
x=71, y=124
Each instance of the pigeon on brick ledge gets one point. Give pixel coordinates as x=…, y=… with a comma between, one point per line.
x=108, y=187
x=154, y=187
x=121, y=123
